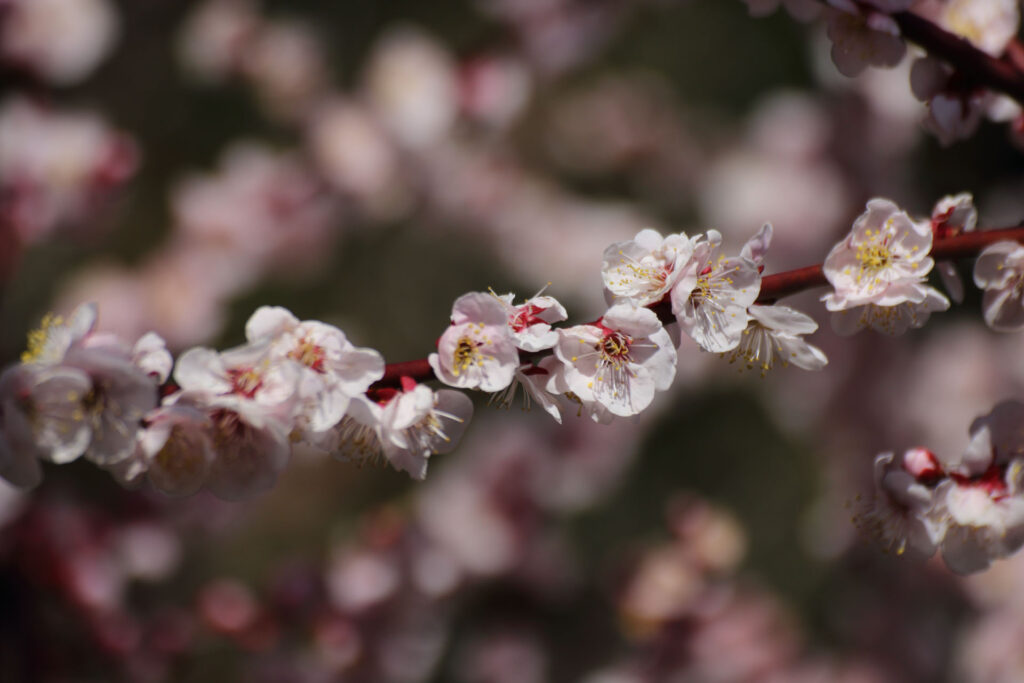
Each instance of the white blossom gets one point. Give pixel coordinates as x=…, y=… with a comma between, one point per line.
x=175, y=449
x=530, y=322
x=405, y=429
x=477, y=351
x=619, y=361
x=982, y=494
x=646, y=268
x=109, y=406
x=999, y=271
x=711, y=297
x=333, y=370
x=884, y=260
x=902, y=512
x=773, y=336
x=250, y=398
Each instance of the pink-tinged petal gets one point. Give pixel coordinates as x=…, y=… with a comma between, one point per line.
x=633, y=320
x=151, y=355
x=951, y=280
x=783, y=319
x=248, y=459
x=82, y=321
x=998, y=264
x=269, y=322
x=455, y=410
x=177, y=449
x=479, y=307
x=1004, y=309
x=59, y=427
x=757, y=246
x=202, y=369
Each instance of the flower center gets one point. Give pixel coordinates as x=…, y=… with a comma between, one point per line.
x=245, y=381
x=466, y=354
x=309, y=354
x=614, y=348
x=38, y=338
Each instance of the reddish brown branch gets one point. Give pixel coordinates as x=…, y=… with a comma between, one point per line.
x=978, y=67
x=773, y=287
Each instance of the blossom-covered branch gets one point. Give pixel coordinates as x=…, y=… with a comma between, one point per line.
x=773, y=288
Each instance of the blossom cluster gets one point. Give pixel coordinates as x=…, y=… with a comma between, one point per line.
x=969, y=507
x=228, y=420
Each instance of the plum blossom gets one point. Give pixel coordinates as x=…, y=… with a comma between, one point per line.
x=883, y=260
x=478, y=350
x=405, y=428
x=773, y=336
x=108, y=406
x=249, y=397
x=530, y=322
x=878, y=273
x=332, y=370
x=901, y=513
x=567, y=400
x=60, y=40
x=618, y=361
x=999, y=271
x=711, y=297
x=981, y=495
x=39, y=418
x=953, y=215
x=862, y=38
x=646, y=268
x=175, y=450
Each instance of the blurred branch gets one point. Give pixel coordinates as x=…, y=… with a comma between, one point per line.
x=980, y=67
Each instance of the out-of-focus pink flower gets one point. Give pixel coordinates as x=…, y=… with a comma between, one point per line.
x=60, y=40
x=358, y=158
x=264, y=207
x=57, y=168
x=411, y=84
x=285, y=64
x=214, y=37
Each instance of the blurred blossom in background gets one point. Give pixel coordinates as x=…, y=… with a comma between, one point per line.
x=181, y=163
